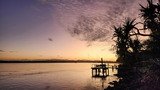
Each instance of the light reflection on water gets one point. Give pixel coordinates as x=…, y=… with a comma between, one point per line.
x=51, y=76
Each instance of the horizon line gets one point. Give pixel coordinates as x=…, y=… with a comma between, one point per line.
x=54, y=61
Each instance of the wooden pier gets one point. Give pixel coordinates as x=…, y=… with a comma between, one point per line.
x=102, y=69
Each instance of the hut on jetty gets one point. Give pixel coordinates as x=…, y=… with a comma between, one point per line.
x=100, y=70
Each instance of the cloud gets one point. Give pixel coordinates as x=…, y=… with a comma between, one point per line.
x=40, y=55
x=101, y=14
x=2, y=51
x=90, y=29
x=50, y=39
x=94, y=21
x=12, y=51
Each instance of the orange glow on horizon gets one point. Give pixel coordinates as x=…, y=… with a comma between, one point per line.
x=76, y=50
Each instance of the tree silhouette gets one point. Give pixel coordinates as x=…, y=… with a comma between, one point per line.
x=125, y=44
x=139, y=56
x=151, y=16
x=128, y=48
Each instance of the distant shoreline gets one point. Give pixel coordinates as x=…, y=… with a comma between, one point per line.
x=55, y=61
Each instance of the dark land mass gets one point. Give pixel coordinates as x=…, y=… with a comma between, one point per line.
x=54, y=61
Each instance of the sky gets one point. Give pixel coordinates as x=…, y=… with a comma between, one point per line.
x=43, y=29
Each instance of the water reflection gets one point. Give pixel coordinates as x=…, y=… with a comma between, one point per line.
x=51, y=76
x=105, y=73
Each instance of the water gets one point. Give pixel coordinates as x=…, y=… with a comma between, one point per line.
x=51, y=76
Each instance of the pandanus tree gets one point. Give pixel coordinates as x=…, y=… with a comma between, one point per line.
x=151, y=16
x=125, y=45
x=120, y=43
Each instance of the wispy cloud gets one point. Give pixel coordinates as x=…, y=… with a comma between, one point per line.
x=50, y=39
x=2, y=51
x=102, y=13
x=12, y=51
x=94, y=21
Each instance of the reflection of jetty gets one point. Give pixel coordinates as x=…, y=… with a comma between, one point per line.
x=101, y=70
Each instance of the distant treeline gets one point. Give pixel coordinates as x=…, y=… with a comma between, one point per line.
x=54, y=61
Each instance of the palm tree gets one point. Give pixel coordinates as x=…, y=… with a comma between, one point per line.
x=120, y=42
x=151, y=16
x=123, y=39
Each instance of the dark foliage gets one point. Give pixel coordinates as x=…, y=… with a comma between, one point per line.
x=141, y=61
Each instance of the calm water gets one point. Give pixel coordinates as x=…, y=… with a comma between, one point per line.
x=51, y=76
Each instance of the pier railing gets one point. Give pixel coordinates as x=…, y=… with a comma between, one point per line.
x=100, y=70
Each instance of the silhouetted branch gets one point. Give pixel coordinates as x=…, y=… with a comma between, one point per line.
x=138, y=33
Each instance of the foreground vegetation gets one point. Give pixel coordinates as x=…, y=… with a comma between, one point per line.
x=141, y=58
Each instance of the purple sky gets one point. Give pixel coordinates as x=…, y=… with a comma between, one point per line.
x=39, y=29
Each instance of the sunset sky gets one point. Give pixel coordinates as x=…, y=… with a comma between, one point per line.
x=40, y=29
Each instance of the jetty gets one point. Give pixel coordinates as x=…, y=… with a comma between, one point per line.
x=102, y=69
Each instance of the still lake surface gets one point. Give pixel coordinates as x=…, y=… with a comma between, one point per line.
x=51, y=76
